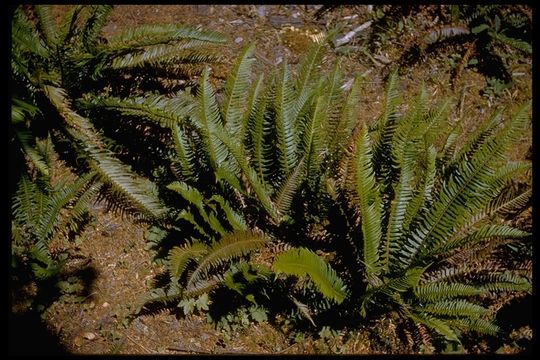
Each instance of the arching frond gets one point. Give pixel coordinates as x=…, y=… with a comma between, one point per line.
x=302, y=261
x=235, y=91
x=179, y=257
x=231, y=246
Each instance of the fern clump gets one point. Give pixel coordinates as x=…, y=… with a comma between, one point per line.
x=280, y=189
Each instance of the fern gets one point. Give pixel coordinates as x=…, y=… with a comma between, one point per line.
x=303, y=262
x=233, y=245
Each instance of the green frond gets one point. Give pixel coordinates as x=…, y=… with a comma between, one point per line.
x=209, y=121
x=478, y=137
x=229, y=247
x=188, y=216
x=385, y=124
x=189, y=51
x=341, y=127
x=235, y=219
x=506, y=281
x=154, y=34
x=256, y=127
x=444, y=290
x=467, y=191
x=313, y=141
x=284, y=196
x=478, y=325
x=68, y=24
x=305, y=79
x=24, y=203
x=424, y=192
x=46, y=24
x=179, y=257
x=370, y=203
x=25, y=39
x=185, y=156
x=482, y=234
x=27, y=142
x=285, y=121
x=165, y=111
x=503, y=205
x=441, y=326
x=94, y=25
x=56, y=201
x=138, y=191
x=254, y=181
x=191, y=195
x=302, y=261
x=236, y=87
x=458, y=307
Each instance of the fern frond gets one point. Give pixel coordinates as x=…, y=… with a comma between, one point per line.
x=444, y=290
x=284, y=196
x=370, y=203
x=457, y=307
x=46, y=24
x=482, y=234
x=165, y=111
x=233, y=245
x=465, y=192
x=302, y=261
x=154, y=34
x=139, y=191
x=344, y=124
x=436, y=324
x=478, y=325
x=235, y=219
x=235, y=91
x=179, y=257
x=209, y=121
x=285, y=121
x=94, y=25
x=189, y=51
x=185, y=155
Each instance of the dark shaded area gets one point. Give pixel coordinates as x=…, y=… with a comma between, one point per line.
x=29, y=335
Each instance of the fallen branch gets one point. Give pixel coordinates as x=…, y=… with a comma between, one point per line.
x=348, y=36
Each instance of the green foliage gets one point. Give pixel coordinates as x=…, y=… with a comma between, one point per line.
x=435, y=211
x=53, y=64
x=301, y=262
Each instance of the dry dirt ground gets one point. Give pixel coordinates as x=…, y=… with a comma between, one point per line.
x=112, y=249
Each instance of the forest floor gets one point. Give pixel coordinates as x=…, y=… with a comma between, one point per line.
x=111, y=250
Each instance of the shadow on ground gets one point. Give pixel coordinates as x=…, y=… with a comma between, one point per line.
x=28, y=335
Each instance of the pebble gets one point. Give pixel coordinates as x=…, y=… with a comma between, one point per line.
x=238, y=40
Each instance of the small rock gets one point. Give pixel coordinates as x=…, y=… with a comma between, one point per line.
x=238, y=40
x=105, y=304
x=89, y=335
x=261, y=11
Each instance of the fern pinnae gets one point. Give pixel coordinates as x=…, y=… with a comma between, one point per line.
x=179, y=257
x=210, y=121
x=236, y=220
x=94, y=26
x=285, y=121
x=369, y=202
x=230, y=246
x=184, y=153
x=46, y=24
x=284, y=196
x=235, y=90
x=302, y=261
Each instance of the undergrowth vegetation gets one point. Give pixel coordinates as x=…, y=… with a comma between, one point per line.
x=274, y=198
